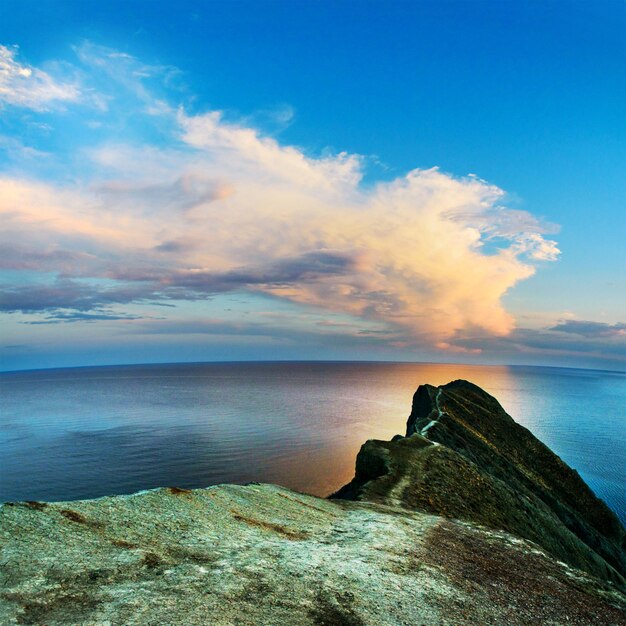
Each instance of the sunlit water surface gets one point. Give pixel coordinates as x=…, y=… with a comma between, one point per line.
x=82, y=433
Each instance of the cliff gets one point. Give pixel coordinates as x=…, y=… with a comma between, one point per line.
x=262, y=554
x=464, y=457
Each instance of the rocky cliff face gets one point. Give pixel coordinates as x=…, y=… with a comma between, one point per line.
x=262, y=554
x=464, y=457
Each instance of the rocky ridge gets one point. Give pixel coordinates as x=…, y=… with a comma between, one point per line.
x=464, y=457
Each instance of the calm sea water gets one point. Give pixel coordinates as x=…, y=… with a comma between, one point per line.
x=82, y=433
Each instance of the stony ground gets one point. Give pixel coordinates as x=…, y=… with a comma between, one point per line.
x=262, y=554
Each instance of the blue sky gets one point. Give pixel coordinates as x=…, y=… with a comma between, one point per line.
x=355, y=180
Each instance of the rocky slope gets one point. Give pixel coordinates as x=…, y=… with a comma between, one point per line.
x=262, y=554
x=465, y=458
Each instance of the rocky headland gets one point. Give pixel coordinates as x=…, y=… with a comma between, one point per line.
x=468, y=519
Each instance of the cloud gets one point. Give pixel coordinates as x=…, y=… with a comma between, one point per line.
x=451, y=347
x=29, y=87
x=120, y=83
x=289, y=333
x=66, y=294
x=591, y=329
x=592, y=343
x=181, y=194
x=537, y=247
x=216, y=206
x=16, y=149
x=77, y=316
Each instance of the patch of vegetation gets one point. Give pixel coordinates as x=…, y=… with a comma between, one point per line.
x=67, y=606
x=331, y=610
x=74, y=516
x=277, y=528
x=121, y=543
x=37, y=506
x=151, y=560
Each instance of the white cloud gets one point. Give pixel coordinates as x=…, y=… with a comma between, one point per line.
x=222, y=207
x=29, y=87
x=537, y=247
x=17, y=150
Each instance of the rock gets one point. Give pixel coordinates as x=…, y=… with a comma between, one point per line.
x=261, y=554
x=465, y=458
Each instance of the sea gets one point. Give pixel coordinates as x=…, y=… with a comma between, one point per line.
x=77, y=433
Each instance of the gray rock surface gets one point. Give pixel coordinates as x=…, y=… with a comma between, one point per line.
x=261, y=554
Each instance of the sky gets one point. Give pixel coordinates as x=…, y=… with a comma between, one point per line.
x=408, y=181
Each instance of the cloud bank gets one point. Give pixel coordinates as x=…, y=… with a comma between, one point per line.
x=590, y=329
x=216, y=206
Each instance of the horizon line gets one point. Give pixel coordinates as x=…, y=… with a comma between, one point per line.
x=320, y=361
